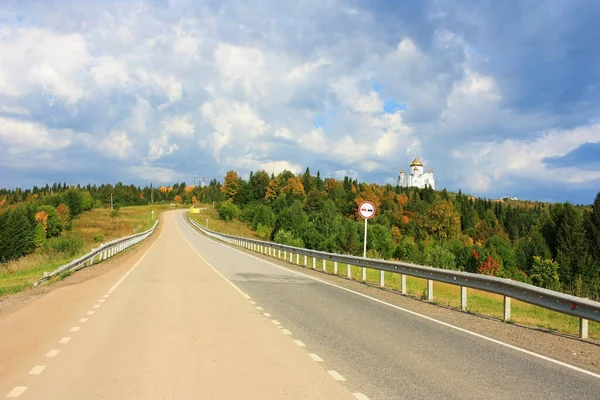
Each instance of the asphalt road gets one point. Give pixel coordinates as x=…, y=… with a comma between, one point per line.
x=384, y=352
x=162, y=326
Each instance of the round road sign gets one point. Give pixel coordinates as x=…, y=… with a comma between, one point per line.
x=366, y=209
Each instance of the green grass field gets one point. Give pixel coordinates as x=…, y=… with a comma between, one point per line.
x=478, y=302
x=90, y=229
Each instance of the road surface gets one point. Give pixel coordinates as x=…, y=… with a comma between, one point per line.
x=196, y=319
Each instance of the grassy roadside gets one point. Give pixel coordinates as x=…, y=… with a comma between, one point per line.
x=479, y=302
x=90, y=229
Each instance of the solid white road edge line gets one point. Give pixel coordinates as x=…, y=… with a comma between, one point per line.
x=240, y=291
x=510, y=346
x=116, y=285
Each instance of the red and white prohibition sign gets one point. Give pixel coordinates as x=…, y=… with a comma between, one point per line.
x=366, y=209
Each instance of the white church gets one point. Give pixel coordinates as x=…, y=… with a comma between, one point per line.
x=417, y=178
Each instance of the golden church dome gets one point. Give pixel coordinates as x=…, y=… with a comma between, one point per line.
x=416, y=162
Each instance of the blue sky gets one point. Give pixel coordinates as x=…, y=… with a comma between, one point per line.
x=499, y=98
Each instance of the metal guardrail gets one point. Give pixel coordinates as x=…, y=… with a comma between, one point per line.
x=581, y=308
x=106, y=250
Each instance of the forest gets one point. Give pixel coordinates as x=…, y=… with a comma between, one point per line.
x=555, y=246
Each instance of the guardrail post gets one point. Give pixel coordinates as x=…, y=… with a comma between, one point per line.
x=285, y=255
x=429, y=290
x=269, y=252
x=583, y=328
x=324, y=265
x=298, y=258
x=364, y=274
x=92, y=261
x=403, y=283
x=305, y=260
x=314, y=263
x=291, y=257
x=349, y=271
x=381, y=278
x=506, y=308
x=463, y=298
x=279, y=254
x=335, y=269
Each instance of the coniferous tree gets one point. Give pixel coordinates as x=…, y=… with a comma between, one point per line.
x=571, y=245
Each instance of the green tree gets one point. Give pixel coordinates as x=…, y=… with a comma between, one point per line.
x=544, y=273
x=228, y=210
x=257, y=186
x=442, y=221
x=74, y=200
x=438, y=257
x=571, y=246
x=380, y=239
x=287, y=238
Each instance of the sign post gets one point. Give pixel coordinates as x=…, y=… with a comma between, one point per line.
x=366, y=210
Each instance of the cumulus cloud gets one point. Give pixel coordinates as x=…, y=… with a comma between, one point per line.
x=172, y=87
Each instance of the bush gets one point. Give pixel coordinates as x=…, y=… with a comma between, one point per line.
x=114, y=213
x=439, y=257
x=98, y=238
x=288, y=239
x=70, y=245
x=54, y=224
x=228, y=211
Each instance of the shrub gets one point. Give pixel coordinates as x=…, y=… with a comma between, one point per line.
x=70, y=245
x=228, y=211
x=288, y=239
x=438, y=257
x=98, y=238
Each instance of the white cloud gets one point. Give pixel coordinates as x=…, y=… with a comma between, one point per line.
x=180, y=125
x=160, y=147
x=117, y=144
x=155, y=174
x=511, y=162
x=20, y=136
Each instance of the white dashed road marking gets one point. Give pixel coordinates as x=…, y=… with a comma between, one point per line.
x=299, y=343
x=531, y=353
x=252, y=302
x=106, y=296
x=267, y=314
x=286, y=331
x=360, y=396
x=52, y=353
x=275, y=322
x=97, y=306
x=259, y=308
x=101, y=300
x=65, y=340
x=91, y=312
x=83, y=320
x=315, y=357
x=37, y=370
x=74, y=329
x=17, y=391
x=336, y=376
